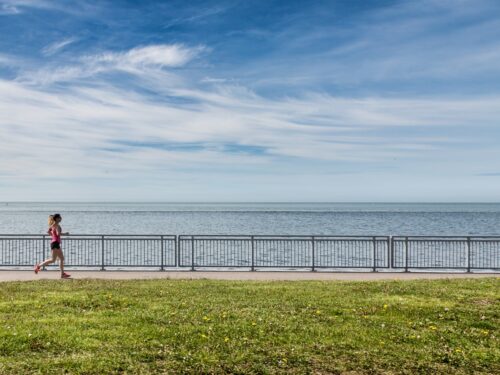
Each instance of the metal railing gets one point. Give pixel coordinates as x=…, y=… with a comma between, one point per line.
x=259, y=252
x=148, y=251
x=446, y=252
x=192, y=252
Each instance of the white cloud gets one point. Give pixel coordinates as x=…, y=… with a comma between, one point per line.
x=388, y=48
x=98, y=131
x=214, y=80
x=155, y=55
x=16, y=6
x=6, y=60
x=57, y=46
x=139, y=61
x=19, y=7
x=8, y=9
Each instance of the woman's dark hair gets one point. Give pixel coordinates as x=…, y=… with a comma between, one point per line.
x=56, y=216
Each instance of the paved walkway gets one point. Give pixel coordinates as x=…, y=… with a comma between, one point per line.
x=15, y=275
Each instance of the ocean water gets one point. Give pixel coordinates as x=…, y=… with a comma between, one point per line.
x=474, y=219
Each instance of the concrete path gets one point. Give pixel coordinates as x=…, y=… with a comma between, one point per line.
x=15, y=275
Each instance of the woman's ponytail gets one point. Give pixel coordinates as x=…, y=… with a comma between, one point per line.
x=52, y=221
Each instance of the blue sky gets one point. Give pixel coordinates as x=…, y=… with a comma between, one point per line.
x=250, y=101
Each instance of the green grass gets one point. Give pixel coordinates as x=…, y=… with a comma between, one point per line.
x=202, y=326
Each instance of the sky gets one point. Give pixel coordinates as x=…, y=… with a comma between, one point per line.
x=250, y=101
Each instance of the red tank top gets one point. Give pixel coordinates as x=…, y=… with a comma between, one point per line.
x=54, y=235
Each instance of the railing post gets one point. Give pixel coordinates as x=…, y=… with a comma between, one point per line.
x=192, y=253
x=44, y=250
x=406, y=254
x=102, y=253
x=313, y=254
x=468, y=254
x=374, y=240
x=389, y=251
x=162, y=261
x=253, y=253
x=176, y=250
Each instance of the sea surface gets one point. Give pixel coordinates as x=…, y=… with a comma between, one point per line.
x=256, y=218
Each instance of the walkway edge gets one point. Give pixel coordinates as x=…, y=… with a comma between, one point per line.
x=11, y=275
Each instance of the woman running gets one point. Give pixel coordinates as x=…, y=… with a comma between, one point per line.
x=55, y=232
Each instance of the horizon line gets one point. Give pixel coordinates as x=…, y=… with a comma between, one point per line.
x=263, y=202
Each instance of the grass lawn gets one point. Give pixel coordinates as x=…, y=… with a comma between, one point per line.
x=203, y=326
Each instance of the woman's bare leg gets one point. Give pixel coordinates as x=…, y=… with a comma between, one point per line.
x=50, y=260
x=59, y=254
x=61, y=261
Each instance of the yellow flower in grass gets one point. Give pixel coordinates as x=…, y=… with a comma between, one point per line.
x=318, y=312
x=385, y=307
x=433, y=328
x=226, y=339
x=206, y=318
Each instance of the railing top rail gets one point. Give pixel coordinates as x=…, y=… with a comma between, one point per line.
x=316, y=236
x=280, y=236
x=242, y=235
x=90, y=235
x=437, y=237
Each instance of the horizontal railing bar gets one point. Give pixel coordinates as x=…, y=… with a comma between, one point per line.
x=395, y=237
x=434, y=237
x=189, y=236
x=459, y=240
x=434, y=240
x=92, y=235
x=357, y=267
x=368, y=240
x=127, y=239
x=435, y=268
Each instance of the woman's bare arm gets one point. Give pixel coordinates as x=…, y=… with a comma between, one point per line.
x=59, y=231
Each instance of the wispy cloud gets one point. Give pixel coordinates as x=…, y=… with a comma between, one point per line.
x=85, y=123
x=197, y=14
x=17, y=6
x=7, y=60
x=134, y=61
x=6, y=9
x=20, y=7
x=384, y=49
x=55, y=47
x=154, y=55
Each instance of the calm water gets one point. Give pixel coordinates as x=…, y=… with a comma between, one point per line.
x=256, y=218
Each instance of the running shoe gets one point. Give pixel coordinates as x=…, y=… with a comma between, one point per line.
x=37, y=268
x=65, y=275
